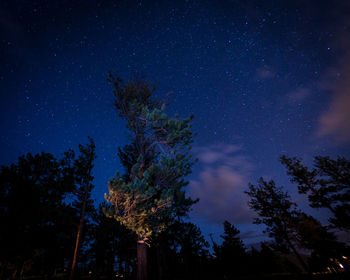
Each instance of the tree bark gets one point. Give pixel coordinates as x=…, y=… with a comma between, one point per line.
x=77, y=242
x=141, y=260
x=75, y=256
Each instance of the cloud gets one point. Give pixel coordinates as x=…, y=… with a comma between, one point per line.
x=335, y=121
x=215, y=153
x=265, y=73
x=221, y=184
x=299, y=94
x=252, y=234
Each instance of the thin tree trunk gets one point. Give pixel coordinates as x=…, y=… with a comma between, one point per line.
x=141, y=260
x=77, y=242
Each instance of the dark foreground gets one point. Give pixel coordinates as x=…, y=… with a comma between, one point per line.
x=285, y=276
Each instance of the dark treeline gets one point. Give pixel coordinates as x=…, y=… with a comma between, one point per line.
x=50, y=227
x=41, y=209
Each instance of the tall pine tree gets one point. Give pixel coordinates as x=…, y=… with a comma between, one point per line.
x=230, y=256
x=151, y=193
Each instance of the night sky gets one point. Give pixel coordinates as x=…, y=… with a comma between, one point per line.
x=262, y=78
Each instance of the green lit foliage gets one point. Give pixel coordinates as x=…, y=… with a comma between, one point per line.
x=151, y=193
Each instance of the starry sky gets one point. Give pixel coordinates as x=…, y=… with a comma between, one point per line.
x=262, y=78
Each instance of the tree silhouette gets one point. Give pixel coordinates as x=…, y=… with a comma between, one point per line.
x=279, y=214
x=231, y=257
x=113, y=246
x=83, y=166
x=179, y=252
x=268, y=261
x=322, y=243
x=36, y=222
x=327, y=185
x=292, y=228
x=146, y=198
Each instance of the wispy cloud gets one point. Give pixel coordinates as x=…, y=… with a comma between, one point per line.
x=335, y=121
x=299, y=94
x=265, y=73
x=220, y=185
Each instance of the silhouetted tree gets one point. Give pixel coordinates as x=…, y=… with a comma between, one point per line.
x=36, y=222
x=267, y=261
x=292, y=228
x=231, y=257
x=279, y=214
x=179, y=252
x=113, y=246
x=327, y=185
x=152, y=193
x=83, y=166
x=193, y=250
x=322, y=243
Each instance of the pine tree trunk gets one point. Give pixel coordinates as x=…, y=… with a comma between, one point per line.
x=141, y=260
x=75, y=256
x=77, y=243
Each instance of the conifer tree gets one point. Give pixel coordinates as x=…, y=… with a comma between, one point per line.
x=36, y=222
x=279, y=214
x=113, y=245
x=151, y=193
x=289, y=226
x=327, y=185
x=230, y=255
x=83, y=166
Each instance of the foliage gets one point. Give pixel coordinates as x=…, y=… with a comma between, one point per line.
x=291, y=228
x=83, y=203
x=279, y=214
x=322, y=243
x=268, y=261
x=231, y=257
x=179, y=252
x=83, y=166
x=276, y=211
x=327, y=185
x=113, y=246
x=36, y=222
x=151, y=192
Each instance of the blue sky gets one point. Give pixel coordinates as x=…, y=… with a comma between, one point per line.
x=263, y=78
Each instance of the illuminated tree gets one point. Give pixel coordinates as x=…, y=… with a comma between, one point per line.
x=151, y=192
